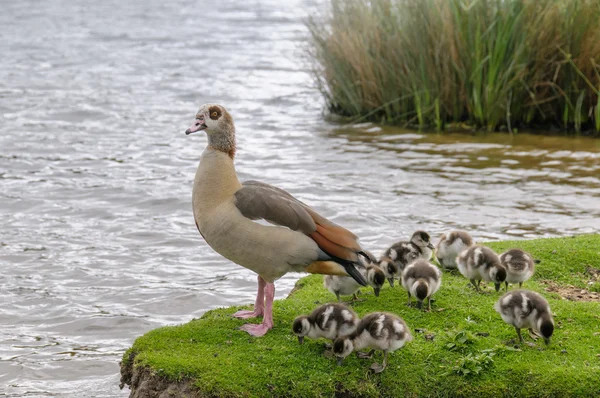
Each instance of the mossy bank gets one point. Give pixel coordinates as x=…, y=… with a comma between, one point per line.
x=461, y=347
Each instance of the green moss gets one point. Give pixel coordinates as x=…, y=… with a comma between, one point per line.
x=226, y=362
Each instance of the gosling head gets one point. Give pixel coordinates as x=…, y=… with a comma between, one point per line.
x=546, y=328
x=342, y=347
x=390, y=269
x=301, y=327
x=218, y=125
x=376, y=278
x=422, y=239
x=498, y=275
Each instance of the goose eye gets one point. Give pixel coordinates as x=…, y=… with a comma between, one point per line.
x=214, y=114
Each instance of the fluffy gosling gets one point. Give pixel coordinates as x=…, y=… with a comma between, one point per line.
x=328, y=321
x=421, y=279
x=480, y=262
x=451, y=245
x=519, y=264
x=346, y=285
x=526, y=309
x=379, y=331
x=403, y=253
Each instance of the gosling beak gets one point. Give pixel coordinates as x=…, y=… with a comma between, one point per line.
x=430, y=246
x=376, y=290
x=197, y=126
x=547, y=340
x=340, y=361
x=391, y=281
x=301, y=340
x=497, y=285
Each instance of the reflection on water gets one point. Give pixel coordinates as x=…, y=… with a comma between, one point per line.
x=97, y=239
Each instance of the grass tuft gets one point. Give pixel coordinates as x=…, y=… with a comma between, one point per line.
x=434, y=63
x=461, y=348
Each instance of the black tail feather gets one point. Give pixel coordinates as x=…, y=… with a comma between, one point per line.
x=349, y=266
x=354, y=273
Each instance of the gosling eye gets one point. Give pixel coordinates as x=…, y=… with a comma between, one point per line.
x=214, y=114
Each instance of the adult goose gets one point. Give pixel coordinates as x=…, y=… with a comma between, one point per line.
x=224, y=209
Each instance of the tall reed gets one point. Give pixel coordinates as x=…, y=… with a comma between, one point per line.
x=487, y=63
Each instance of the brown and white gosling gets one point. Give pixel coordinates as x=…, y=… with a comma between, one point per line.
x=519, y=264
x=451, y=245
x=346, y=286
x=328, y=321
x=526, y=309
x=403, y=253
x=421, y=279
x=480, y=262
x=378, y=331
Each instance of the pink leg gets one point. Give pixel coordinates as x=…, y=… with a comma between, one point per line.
x=258, y=305
x=267, y=323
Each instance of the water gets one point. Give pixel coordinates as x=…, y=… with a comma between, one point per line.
x=97, y=240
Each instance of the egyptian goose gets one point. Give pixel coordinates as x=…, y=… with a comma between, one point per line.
x=480, y=262
x=519, y=264
x=526, y=309
x=300, y=240
x=404, y=253
x=328, y=321
x=450, y=246
x=421, y=279
x=378, y=331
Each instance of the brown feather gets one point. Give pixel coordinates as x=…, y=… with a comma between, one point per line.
x=339, y=236
x=326, y=268
x=319, y=219
x=333, y=248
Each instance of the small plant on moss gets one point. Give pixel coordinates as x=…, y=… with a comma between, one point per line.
x=470, y=365
x=459, y=341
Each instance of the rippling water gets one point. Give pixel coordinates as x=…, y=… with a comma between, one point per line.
x=97, y=240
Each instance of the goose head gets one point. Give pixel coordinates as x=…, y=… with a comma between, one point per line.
x=218, y=125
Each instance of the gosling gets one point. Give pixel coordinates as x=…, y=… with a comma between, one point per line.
x=480, y=262
x=346, y=285
x=452, y=245
x=421, y=279
x=404, y=253
x=519, y=264
x=328, y=321
x=526, y=309
x=378, y=331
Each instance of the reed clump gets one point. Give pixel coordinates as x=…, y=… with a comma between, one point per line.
x=491, y=64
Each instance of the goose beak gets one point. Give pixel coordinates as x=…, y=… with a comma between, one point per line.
x=197, y=126
x=430, y=246
x=391, y=281
x=301, y=340
x=376, y=290
x=340, y=361
x=497, y=285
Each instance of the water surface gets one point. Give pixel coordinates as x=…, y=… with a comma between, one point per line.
x=97, y=240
